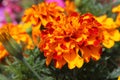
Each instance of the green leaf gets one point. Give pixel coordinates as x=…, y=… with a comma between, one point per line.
x=115, y=73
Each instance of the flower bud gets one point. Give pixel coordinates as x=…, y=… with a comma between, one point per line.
x=10, y=44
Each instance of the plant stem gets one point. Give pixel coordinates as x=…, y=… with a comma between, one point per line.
x=35, y=73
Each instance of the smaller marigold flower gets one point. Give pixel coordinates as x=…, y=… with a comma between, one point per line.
x=19, y=33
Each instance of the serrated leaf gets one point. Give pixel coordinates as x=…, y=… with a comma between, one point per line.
x=115, y=73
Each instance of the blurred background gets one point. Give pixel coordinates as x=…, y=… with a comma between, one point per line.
x=107, y=68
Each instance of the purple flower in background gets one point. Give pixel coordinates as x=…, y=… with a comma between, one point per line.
x=59, y=2
x=2, y=14
x=12, y=7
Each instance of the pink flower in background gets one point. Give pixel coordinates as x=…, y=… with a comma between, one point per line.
x=2, y=14
x=12, y=7
x=9, y=10
x=59, y=2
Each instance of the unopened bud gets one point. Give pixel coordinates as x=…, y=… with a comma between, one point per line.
x=10, y=44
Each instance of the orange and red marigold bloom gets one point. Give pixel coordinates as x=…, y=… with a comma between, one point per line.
x=78, y=38
x=70, y=39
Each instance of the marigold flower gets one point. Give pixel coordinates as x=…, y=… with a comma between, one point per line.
x=110, y=32
x=63, y=42
x=20, y=35
x=64, y=37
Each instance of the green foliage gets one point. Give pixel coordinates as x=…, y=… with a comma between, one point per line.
x=16, y=70
x=96, y=7
x=94, y=70
x=115, y=73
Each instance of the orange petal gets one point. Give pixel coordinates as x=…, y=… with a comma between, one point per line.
x=78, y=61
x=85, y=53
x=48, y=60
x=95, y=53
x=59, y=64
x=69, y=56
x=73, y=59
x=90, y=52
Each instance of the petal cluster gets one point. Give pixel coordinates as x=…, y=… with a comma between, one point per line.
x=110, y=31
